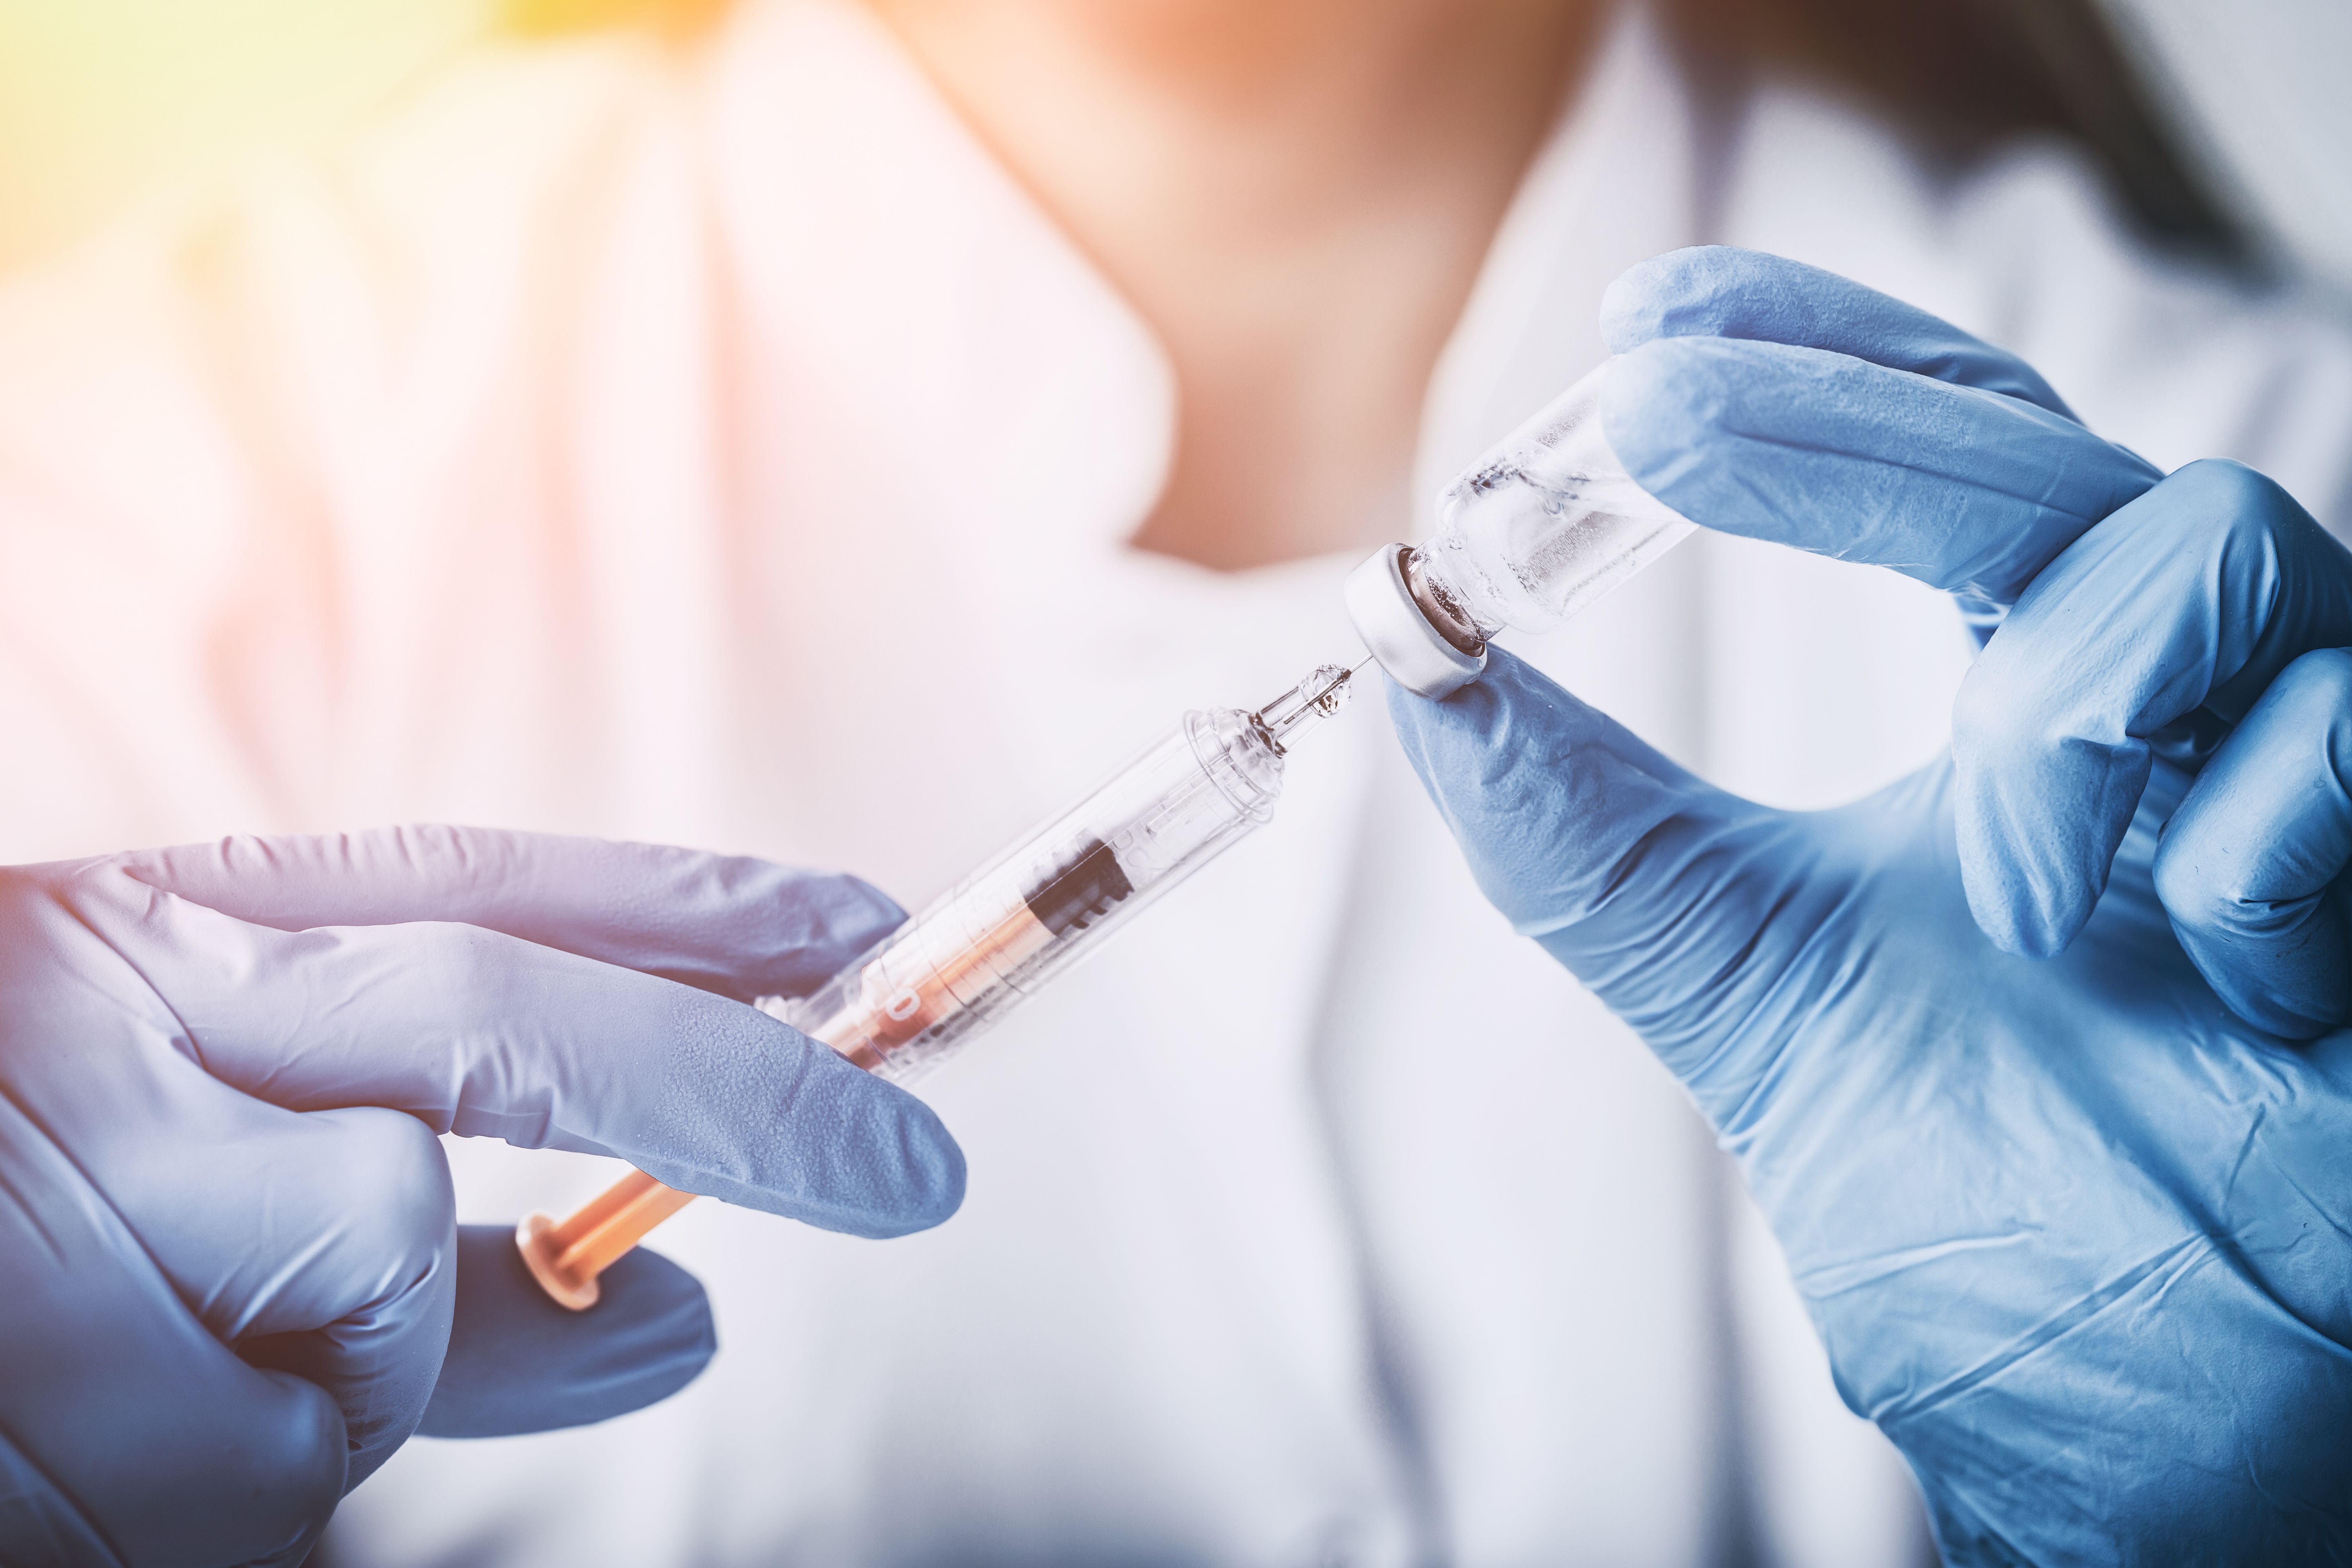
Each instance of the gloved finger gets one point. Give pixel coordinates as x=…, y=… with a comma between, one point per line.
x=1966, y=491
x=1631, y=871
x=2252, y=865
x=2192, y=598
x=739, y=927
x=486, y=1035
x=1722, y=291
x=316, y=1243
x=519, y=1362
x=127, y=1433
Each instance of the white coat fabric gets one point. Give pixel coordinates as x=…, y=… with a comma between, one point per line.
x=722, y=449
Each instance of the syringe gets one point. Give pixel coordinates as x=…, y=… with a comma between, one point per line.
x=928, y=988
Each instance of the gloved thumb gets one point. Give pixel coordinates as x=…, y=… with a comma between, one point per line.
x=1650, y=884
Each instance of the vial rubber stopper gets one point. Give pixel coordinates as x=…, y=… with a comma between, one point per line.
x=1416, y=654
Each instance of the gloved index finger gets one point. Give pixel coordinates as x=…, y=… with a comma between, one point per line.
x=483, y=1033
x=1965, y=489
x=740, y=927
x=1722, y=291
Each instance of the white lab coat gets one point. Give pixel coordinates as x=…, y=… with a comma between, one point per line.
x=723, y=450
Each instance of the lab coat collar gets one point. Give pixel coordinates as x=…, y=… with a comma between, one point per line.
x=885, y=252
x=826, y=128
x=878, y=251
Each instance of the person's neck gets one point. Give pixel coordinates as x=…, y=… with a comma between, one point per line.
x=1294, y=193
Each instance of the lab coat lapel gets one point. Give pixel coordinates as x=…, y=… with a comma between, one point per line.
x=942, y=375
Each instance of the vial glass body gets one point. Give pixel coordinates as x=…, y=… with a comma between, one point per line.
x=1544, y=524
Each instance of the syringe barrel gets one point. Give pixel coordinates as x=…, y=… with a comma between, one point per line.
x=914, y=997
x=908, y=1002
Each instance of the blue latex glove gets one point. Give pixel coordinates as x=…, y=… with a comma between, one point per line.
x=2069, y=1204
x=518, y=1362
x=226, y=1226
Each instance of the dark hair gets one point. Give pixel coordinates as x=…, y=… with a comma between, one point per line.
x=1961, y=75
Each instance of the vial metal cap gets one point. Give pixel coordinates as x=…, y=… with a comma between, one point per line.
x=1415, y=653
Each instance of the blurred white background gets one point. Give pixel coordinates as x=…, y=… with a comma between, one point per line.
x=2262, y=84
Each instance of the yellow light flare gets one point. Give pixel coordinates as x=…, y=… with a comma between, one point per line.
x=538, y=18
x=101, y=98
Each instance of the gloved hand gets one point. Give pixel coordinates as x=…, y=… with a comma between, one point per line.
x=231, y=1267
x=2007, y=1052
